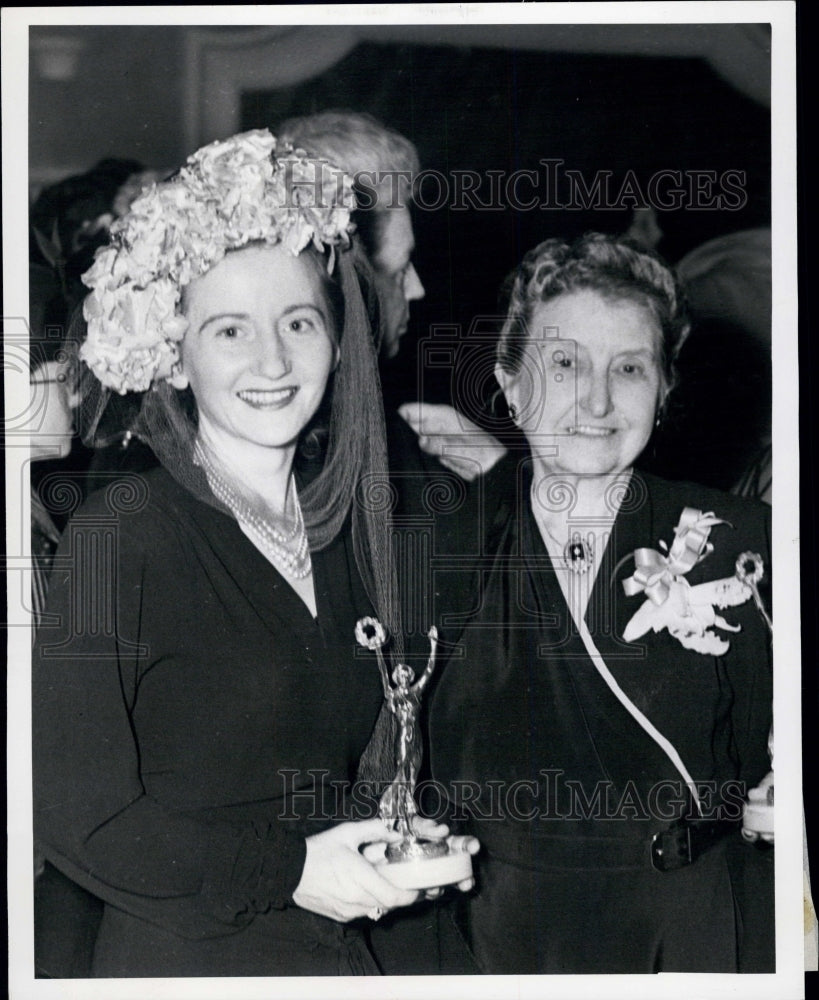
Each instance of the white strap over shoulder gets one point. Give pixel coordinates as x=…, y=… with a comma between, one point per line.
x=663, y=742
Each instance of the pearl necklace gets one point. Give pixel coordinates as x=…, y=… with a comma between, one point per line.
x=292, y=559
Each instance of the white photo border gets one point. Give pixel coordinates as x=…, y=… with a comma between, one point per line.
x=788, y=980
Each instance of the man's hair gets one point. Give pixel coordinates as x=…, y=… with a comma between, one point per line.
x=359, y=144
x=352, y=140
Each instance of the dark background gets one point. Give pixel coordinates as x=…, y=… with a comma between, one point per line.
x=480, y=109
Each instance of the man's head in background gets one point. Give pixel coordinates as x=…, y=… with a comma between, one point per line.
x=385, y=163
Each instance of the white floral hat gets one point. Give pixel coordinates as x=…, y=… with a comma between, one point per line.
x=227, y=195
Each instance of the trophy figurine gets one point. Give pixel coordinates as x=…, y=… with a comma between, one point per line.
x=411, y=863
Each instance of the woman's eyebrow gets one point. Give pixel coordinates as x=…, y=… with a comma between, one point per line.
x=220, y=316
x=647, y=351
x=304, y=305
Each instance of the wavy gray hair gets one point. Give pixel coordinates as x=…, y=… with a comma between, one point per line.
x=612, y=266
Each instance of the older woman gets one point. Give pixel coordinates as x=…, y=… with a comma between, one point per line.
x=198, y=711
x=612, y=702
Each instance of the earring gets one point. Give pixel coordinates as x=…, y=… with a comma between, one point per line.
x=513, y=412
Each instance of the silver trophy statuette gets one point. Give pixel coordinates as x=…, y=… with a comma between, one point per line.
x=411, y=863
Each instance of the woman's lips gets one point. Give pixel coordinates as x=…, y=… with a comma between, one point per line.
x=587, y=430
x=268, y=399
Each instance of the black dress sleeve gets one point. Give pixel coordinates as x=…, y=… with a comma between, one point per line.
x=93, y=818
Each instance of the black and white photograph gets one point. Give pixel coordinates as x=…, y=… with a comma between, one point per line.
x=402, y=421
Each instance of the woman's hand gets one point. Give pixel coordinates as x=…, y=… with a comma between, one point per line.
x=758, y=814
x=340, y=883
x=471, y=845
x=428, y=829
x=459, y=444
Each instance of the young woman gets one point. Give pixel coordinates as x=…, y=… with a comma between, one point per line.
x=199, y=711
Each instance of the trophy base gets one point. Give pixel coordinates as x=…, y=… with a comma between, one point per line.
x=424, y=865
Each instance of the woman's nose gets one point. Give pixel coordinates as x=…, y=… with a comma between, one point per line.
x=413, y=289
x=596, y=394
x=272, y=356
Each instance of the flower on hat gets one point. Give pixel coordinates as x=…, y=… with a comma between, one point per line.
x=228, y=194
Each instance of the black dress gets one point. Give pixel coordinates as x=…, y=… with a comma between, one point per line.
x=192, y=725
x=568, y=790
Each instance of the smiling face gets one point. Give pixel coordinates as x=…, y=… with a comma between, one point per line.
x=589, y=384
x=259, y=347
x=396, y=280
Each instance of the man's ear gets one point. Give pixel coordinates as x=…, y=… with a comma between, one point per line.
x=502, y=377
x=662, y=399
x=507, y=383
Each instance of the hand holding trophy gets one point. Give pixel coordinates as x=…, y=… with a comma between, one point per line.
x=412, y=862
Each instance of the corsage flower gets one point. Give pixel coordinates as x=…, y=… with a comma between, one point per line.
x=227, y=195
x=672, y=603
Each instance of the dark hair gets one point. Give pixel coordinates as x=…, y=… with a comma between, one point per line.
x=615, y=268
x=330, y=286
x=77, y=199
x=313, y=441
x=62, y=243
